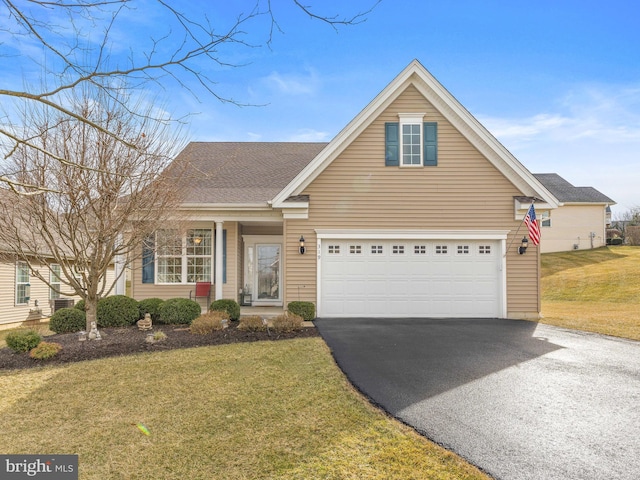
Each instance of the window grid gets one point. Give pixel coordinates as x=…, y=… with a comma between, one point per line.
x=334, y=249
x=441, y=249
x=397, y=249
x=184, y=259
x=484, y=249
x=420, y=249
x=198, y=252
x=463, y=249
x=376, y=249
x=54, y=280
x=22, y=283
x=355, y=249
x=411, y=144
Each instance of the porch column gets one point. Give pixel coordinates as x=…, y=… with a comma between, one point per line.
x=218, y=250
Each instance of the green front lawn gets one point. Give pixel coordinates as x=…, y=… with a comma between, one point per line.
x=593, y=290
x=267, y=410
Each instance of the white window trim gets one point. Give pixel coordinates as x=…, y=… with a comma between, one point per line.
x=184, y=259
x=25, y=265
x=410, y=119
x=53, y=295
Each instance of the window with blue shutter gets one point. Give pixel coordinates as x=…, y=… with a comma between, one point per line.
x=392, y=144
x=430, y=146
x=148, y=260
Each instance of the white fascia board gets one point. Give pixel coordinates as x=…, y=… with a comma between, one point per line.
x=345, y=234
x=299, y=214
x=225, y=206
x=537, y=205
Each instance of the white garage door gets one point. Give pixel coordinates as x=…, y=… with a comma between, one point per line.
x=410, y=278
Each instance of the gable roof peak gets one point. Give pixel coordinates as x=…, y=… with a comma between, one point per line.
x=416, y=74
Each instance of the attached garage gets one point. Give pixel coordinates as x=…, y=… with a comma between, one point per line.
x=412, y=277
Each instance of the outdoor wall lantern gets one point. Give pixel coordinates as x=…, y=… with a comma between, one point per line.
x=197, y=240
x=302, y=249
x=523, y=246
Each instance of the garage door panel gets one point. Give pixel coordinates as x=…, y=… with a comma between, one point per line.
x=388, y=278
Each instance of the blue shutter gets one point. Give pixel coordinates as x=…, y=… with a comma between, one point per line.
x=430, y=132
x=391, y=144
x=224, y=259
x=148, y=259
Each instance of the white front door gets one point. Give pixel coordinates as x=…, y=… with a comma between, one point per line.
x=263, y=269
x=267, y=274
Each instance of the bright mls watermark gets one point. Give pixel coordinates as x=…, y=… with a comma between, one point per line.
x=50, y=467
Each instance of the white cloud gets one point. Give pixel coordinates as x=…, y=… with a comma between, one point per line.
x=296, y=84
x=591, y=137
x=309, y=135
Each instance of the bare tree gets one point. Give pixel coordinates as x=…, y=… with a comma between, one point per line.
x=87, y=195
x=72, y=44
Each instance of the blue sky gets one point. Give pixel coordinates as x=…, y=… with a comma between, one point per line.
x=557, y=82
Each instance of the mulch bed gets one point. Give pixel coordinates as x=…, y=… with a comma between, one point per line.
x=128, y=340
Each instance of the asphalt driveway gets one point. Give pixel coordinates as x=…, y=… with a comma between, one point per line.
x=518, y=399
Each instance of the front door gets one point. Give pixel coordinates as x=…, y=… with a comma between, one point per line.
x=263, y=269
x=267, y=277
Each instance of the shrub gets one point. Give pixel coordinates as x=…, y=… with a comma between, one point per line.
x=150, y=306
x=229, y=306
x=80, y=305
x=117, y=311
x=208, y=323
x=23, y=340
x=288, y=322
x=306, y=310
x=159, y=336
x=67, y=320
x=252, y=323
x=179, y=311
x=45, y=350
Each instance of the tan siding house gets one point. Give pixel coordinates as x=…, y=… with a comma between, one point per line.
x=580, y=221
x=413, y=210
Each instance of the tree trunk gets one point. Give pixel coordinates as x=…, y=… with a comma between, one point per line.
x=91, y=309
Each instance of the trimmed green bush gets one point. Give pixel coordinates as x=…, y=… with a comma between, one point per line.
x=229, y=306
x=252, y=323
x=79, y=305
x=117, y=311
x=180, y=311
x=45, y=350
x=23, y=340
x=67, y=320
x=307, y=310
x=150, y=306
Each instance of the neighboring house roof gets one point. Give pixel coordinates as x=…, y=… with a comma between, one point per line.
x=567, y=193
x=418, y=76
x=240, y=172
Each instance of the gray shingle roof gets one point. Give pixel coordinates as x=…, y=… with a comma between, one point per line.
x=239, y=172
x=567, y=193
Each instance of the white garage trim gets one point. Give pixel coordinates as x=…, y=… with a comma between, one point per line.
x=499, y=238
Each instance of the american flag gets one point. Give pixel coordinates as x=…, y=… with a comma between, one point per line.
x=532, y=224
